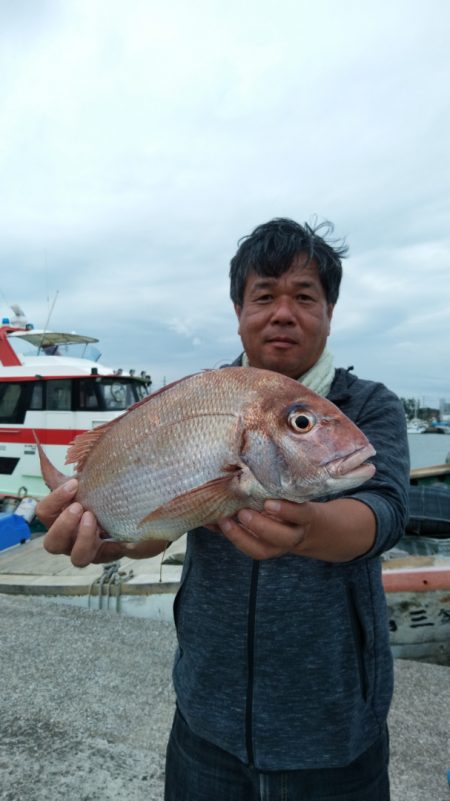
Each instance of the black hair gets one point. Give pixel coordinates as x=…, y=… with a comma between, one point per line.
x=271, y=248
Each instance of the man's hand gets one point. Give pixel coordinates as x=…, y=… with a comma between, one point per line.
x=336, y=531
x=264, y=535
x=75, y=532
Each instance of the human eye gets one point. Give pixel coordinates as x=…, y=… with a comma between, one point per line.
x=306, y=297
x=263, y=297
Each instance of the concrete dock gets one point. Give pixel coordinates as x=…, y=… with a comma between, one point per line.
x=87, y=699
x=29, y=570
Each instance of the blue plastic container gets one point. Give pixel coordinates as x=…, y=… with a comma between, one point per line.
x=13, y=530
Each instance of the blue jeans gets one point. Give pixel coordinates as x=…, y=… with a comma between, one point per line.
x=199, y=771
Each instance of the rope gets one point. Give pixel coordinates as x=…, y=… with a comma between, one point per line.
x=112, y=577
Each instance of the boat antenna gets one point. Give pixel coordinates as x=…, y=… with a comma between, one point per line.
x=48, y=319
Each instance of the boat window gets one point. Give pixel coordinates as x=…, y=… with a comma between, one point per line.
x=9, y=400
x=141, y=390
x=59, y=394
x=37, y=396
x=82, y=351
x=13, y=401
x=8, y=465
x=107, y=394
x=119, y=394
x=88, y=398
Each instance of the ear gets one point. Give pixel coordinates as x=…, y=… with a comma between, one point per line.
x=238, y=310
x=330, y=310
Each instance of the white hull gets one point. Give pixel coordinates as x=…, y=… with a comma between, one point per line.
x=418, y=598
x=55, y=397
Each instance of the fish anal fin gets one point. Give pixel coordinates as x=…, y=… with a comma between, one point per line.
x=210, y=501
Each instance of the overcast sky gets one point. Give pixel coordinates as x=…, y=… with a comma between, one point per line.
x=140, y=140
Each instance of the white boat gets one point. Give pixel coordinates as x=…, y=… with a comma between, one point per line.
x=52, y=385
x=416, y=426
x=416, y=574
x=417, y=591
x=442, y=427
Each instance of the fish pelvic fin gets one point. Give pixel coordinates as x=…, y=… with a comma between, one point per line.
x=201, y=505
x=51, y=475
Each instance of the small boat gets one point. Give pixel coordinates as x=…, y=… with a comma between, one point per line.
x=416, y=574
x=441, y=427
x=416, y=426
x=52, y=385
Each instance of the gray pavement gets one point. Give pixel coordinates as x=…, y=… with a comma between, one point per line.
x=87, y=703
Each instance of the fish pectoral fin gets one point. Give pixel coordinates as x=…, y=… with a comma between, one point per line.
x=208, y=502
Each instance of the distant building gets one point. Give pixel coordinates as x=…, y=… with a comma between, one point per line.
x=444, y=410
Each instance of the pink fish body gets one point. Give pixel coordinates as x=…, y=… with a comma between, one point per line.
x=209, y=445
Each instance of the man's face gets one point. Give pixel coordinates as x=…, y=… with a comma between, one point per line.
x=284, y=322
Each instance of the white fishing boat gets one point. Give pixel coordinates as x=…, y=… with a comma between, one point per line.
x=416, y=574
x=416, y=426
x=52, y=385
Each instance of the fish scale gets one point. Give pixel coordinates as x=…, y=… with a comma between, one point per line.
x=210, y=444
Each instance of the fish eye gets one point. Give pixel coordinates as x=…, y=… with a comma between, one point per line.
x=301, y=422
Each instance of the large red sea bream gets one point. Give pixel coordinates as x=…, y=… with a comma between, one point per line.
x=209, y=445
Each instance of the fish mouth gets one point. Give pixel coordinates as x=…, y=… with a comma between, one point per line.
x=353, y=465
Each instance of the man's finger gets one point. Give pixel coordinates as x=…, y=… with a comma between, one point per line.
x=274, y=532
x=111, y=551
x=51, y=506
x=88, y=543
x=247, y=542
x=61, y=535
x=288, y=512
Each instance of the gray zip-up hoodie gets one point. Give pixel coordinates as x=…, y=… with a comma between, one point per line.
x=286, y=663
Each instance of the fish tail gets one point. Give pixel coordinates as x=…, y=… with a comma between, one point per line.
x=51, y=475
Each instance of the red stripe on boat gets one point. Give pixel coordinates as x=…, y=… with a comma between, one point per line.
x=46, y=436
x=416, y=579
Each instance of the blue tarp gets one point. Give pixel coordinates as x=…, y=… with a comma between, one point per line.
x=429, y=510
x=13, y=530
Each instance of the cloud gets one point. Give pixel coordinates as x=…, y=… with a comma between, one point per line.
x=138, y=145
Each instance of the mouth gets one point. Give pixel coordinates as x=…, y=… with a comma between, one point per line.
x=282, y=342
x=354, y=465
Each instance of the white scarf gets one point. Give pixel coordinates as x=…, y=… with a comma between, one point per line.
x=319, y=377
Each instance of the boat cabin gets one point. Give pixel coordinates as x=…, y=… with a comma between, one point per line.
x=53, y=385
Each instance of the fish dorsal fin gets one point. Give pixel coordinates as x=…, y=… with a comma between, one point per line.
x=161, y=390
x=82, y=445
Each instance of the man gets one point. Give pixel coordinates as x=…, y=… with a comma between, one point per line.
x=283, y=674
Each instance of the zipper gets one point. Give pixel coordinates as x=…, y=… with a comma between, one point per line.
x=250, y=662
x=359, y=639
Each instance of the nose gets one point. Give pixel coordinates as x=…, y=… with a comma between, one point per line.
x=283, y=311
